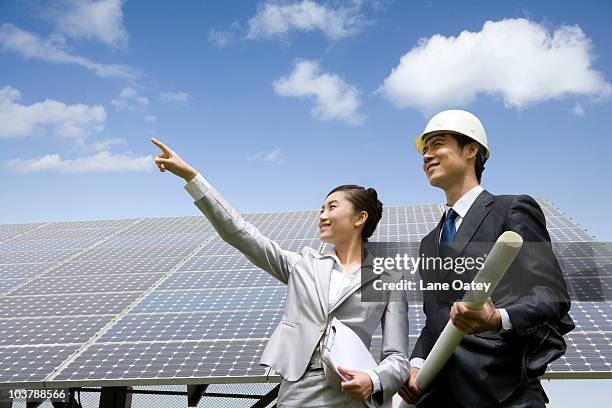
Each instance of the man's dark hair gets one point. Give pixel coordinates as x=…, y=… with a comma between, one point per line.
x=481, y=156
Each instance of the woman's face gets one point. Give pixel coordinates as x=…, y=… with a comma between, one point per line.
x=338, y=221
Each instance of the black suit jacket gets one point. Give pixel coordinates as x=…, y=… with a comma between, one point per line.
x=487, y=369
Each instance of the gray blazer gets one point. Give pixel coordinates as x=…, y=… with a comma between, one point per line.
x=307, y=274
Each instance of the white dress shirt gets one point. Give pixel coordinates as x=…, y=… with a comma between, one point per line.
x=338, y=282
x=461, y=207
x=339, y=279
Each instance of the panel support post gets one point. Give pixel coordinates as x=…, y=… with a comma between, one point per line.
x=267, y=399
x=115, y=397
x=194, y=393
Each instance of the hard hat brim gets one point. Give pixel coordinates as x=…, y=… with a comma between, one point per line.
x=420, y=140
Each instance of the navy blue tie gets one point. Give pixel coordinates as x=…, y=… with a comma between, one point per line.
x=448, y=230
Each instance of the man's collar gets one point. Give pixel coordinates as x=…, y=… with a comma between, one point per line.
x=463, y=204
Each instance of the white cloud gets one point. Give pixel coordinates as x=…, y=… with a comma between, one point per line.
x=274, y=156
x=578, y=109
x=224, y=38
x=101, y=162
x=130, y=100
x=517, y=59
x=53, y=49
x=104, y=144
x=100, y=20
x=182, y=98
x=271, y=157
x=334, y=98
x=75, y=122
x=150, y=118
x=276, y=18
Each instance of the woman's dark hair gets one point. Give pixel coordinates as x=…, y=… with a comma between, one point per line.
x=363, y=199
x=481, y=157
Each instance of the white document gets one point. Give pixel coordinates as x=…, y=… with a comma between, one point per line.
x=343, y=348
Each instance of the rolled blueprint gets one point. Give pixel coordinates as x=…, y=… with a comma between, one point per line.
x=495, y=266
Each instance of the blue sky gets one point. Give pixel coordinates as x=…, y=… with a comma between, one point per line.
x=278, y=102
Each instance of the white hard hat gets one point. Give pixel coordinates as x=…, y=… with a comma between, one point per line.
x=457, y=122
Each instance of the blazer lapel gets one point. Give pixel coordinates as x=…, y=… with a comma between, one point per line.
x=470, y=223
x=357, y=283
x=432, y=239
x=430, y=243
x=323, y=274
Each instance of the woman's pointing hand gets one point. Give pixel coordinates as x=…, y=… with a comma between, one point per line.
x=169, y=160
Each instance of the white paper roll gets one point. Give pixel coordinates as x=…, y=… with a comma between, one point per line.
x=495, y=266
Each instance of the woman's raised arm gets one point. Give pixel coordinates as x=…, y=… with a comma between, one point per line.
x=262, y=251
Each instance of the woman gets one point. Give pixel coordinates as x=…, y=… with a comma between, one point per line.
x=319, y=286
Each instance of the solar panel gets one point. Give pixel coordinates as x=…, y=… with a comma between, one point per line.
x=88, y=283
x=217, y=325
x=218, y=279
x=212, y=299
x=50, y=330
x=184, y=360
x=65, y=305
x=166, y=301
x=23, y=270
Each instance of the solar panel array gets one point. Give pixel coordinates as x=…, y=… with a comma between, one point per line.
x=166, y=301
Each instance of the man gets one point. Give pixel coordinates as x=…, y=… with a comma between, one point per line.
x=511, y=340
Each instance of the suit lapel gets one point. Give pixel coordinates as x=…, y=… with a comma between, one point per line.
x=432, y=239
x=430, y=243
x=357, y=283
x=323, y=274
x=470, y=223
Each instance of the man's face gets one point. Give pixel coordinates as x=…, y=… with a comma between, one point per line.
x=444, y=162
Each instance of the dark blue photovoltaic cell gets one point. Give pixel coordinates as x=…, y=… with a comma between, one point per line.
x=199, y=226
x=66, y=305
x=47, y=244
x=8, y=284
x=67, y=234
x=53, y=330
x=216, y=263
x=592, y=316
x=22, y=364
x=565, y=234
x=69, y=225
x=9, y=231
x=594, y=289
x=582, y=249
x=155, y=240
x=219, y=247
x=249, y=324
x=219, y=280
x=210, y=300
x=115, y=266
x=585, y=352
x=586, y=267
x=132, y=252
x=14, y=257
x=45, y=285
x=405, y=229
x=23, y=270
x=189, y=359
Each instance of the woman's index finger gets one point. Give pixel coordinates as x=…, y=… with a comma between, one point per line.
x=160, y=145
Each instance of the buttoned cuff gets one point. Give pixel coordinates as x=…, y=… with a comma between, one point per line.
x=375, y=381
x=197, y=187
x=417, y=362
x=505, y=320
